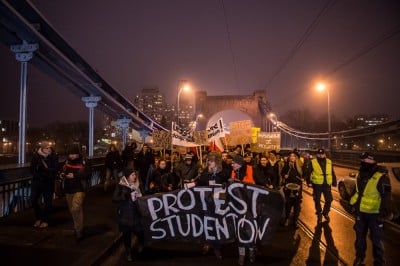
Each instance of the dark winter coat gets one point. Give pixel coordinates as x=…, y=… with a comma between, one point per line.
x=186, y=172
x=128, y=214
x=161, y=179
x=294, y=176
x=81, y=174
x=262, y=175
x=128, y=154
x=113, y=160
x=44, y=168
x=219, y=177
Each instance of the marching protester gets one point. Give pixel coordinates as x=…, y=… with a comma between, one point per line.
x=213, y=175
x=292, y=175
x=144, y=159
x=242, y=172
x=371, y=201
x=153, y=167
x=162, y=179
x=262, y=175
x=128, y=154
x=75, y=174
x=322, y=177
x=125, y=194
x=248, y=159
x=113, y=163
x=186, y=171
x=44, y=166
x=273, y=168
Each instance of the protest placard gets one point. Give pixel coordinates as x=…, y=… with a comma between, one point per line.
x=240, y=212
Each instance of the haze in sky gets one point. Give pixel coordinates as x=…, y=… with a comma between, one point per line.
x=225, y=48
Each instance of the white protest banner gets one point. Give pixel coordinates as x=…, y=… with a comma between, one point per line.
x=269, y=140
x=215, y=130
x=182, y=137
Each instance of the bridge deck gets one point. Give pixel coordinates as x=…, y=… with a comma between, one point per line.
x=21, y=243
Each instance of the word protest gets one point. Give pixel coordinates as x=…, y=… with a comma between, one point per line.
x=240, y=212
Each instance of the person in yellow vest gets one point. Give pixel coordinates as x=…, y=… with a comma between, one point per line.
x=242, y=172
x=371, y=202
x=322, y=177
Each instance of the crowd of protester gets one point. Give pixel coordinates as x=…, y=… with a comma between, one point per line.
x=131, y=174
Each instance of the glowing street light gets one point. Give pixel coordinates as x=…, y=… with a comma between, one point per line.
x=322, y=87
x=185, y=87
x=273, y=118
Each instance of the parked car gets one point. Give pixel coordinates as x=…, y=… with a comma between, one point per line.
x=346, y=186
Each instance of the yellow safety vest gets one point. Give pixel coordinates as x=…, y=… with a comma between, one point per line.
x=371, y=198
x=317, y=176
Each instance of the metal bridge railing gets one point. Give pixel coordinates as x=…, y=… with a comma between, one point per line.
x=15, y=195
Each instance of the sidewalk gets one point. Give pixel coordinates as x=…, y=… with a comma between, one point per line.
x=21, y=243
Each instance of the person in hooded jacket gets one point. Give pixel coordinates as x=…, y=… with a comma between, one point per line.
x=125, y=194
x=242, y=172
x=75, y=173
x=44, y=166
x=372, y=204
x=213, y=175
x=186, y=171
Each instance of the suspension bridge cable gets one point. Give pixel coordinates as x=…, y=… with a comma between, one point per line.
x=301, y=41
x=228, y=33
x=386, y=36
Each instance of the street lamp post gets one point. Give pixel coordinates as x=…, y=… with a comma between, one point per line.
x=322, y=87
x=184, y=87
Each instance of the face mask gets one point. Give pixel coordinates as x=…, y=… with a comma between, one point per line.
x=366, y=166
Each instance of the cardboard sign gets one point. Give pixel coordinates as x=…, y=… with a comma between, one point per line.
x=240, y=132
x=161, y=139
x=269, y=140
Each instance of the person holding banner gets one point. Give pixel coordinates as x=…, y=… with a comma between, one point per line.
x=213, y=175
x=292, y=174
x=242, y=172
x=125, y=194
x=186, y=170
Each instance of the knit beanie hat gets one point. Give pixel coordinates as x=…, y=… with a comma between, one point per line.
x=127, y=171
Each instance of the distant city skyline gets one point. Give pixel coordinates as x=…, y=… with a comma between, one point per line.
x=224, y=48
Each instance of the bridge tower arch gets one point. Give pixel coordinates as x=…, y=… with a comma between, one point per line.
x=255, y=106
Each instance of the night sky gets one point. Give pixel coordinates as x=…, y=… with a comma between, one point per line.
x=225, y=48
